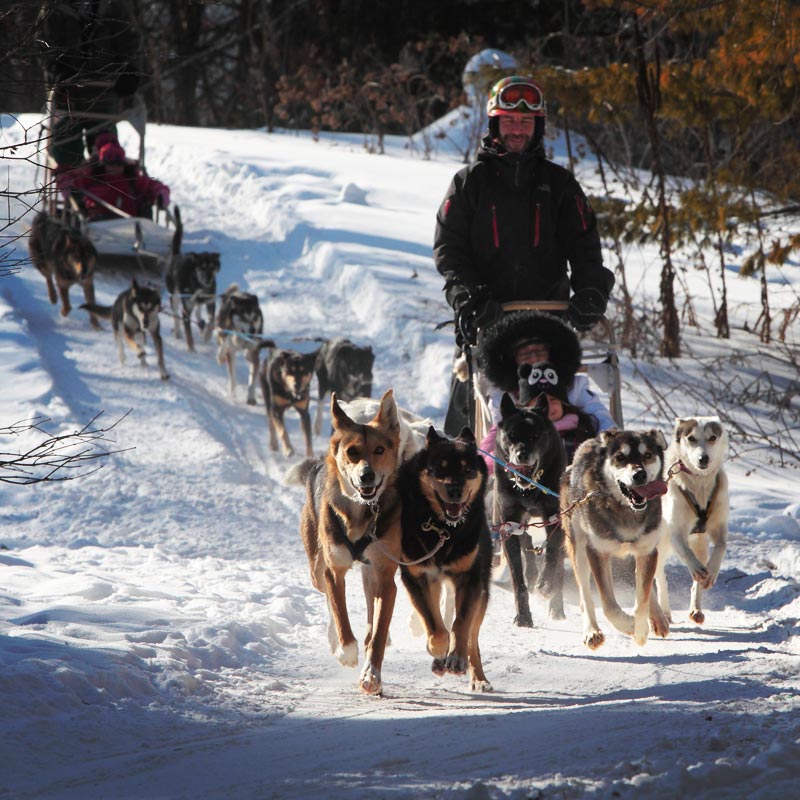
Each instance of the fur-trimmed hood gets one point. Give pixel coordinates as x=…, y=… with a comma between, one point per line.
x=495, y=356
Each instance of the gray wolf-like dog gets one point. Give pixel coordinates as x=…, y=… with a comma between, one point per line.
x=192, y=283
x=134, y=315
x=352, y=513
x=344, y=368
x=65, y=257
x=696, y=507
x=239, y=327
x=611, y=508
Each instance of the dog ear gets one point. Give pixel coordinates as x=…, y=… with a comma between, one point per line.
x=339, y=419
x=466, y=436
x=542, y=404
x=661, y=440
x=432, y=437
x=606, y=436
x=507, y=406
x=387, y=412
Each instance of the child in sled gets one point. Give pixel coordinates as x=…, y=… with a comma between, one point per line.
x=526, y=353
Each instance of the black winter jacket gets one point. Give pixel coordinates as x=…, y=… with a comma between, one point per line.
x=511, y=223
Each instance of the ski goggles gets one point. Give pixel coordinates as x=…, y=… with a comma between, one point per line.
x=516, y=95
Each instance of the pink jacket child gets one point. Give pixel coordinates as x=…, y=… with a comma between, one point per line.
x=119, y=183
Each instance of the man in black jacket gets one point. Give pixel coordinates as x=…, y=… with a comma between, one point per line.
x=511, y=224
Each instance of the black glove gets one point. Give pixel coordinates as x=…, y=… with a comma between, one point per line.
x=585, y=308
x=475, y=311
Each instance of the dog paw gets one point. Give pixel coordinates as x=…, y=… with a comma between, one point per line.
x=556, y=612
x=659, y=627
x=370, y=680
x=641, y=629
x=696, y=615
x=347, y=654
x=545, y=585
x=523, y=620
x=701, y=575
x=480, y=685
x=593, y=639
x=456, y=664
x=438, y=667
x=251, y=401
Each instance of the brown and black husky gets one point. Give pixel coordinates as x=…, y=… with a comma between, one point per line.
x=133, y=315
x=352, y=513
x=442, y=492
x=286, y=383
x=192, y=283
x=65, y=257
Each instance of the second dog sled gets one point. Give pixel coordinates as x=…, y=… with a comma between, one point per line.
x=123, y=242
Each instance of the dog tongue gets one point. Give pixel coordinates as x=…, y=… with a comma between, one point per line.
x=651, y=490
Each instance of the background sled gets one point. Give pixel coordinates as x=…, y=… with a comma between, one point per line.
x=124, y=243
x=600, y=361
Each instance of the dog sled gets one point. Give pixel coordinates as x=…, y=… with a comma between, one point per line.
x=124, y=242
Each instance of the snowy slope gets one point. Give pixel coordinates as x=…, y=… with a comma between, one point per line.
x=159, y=636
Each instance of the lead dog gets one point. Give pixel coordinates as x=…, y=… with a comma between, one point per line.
x=446, y=540
x=239, y=327
x=286, y=383
x=528, y=442
x=192, y=283
x=611, y=507
x=696, y=507
x=352, y=513
x=344, y=368
x=134, y=315
x=65, y=257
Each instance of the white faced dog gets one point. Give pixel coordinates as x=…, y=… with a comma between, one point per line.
x=696, y=507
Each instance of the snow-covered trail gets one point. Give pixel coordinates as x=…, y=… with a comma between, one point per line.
x=159, y=635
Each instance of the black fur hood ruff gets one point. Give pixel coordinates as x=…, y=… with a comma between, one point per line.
x=495, y=357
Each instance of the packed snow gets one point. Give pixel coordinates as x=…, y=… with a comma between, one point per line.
x=159, y=634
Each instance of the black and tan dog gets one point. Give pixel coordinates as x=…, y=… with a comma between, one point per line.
x=446, y=537
x=239, y=326
x=192, y=283
x=286, y=383
x=528, y=442
x=133, y=315
x=65, y=257
x=611, y=507
x=352, y=513
x=344, y=368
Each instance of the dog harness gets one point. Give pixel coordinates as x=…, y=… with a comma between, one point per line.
x=358, y=547
x=702, y=513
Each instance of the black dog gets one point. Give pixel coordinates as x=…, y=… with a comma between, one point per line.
x=192, y=283
x=529, y=443
x=286, y=383
x=344, y=368
x=442, y=492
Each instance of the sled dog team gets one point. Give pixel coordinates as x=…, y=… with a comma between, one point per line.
x=392, y=492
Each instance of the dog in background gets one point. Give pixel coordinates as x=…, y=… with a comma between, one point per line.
x=134, y=315
x=446, y=539
x=530, y=444
x=344, y=368
x=696, y=507
x=611, y=507
x=286, y=383
x=352, y=513
x=192, y=283
x=65, y=257
x=239, y=327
